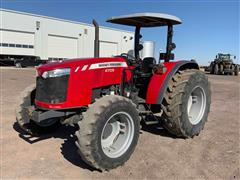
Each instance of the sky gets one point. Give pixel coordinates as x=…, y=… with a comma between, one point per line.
x=209, y=26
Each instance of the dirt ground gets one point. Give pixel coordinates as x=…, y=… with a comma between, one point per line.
x=214, y=154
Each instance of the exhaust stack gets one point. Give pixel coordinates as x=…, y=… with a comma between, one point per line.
x=96, y=41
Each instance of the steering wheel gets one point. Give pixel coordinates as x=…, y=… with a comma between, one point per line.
x=129, y=57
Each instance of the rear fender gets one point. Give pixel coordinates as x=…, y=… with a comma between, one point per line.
x=159, y=83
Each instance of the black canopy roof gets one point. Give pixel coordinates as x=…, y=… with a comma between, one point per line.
x=146, y=20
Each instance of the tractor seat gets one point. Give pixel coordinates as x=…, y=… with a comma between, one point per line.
x=148, y=64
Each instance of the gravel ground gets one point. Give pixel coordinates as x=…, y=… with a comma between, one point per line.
x=214, y=154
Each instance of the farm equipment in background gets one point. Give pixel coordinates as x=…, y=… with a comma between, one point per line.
x=223, y=64
x=108, y=98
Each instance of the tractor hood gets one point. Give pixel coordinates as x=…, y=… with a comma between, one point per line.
x=83, y=64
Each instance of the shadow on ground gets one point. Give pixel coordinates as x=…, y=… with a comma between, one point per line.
x=68, y=148
x=157, y=129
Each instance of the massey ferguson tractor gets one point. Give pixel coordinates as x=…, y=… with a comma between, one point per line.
x=108, y=97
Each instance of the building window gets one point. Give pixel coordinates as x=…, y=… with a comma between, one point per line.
x=16, y=45
x=4, y=45
x=11, y=45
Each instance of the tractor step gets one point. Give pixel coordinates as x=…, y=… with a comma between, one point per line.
x=145, y=112
x=151, y=119
x=151, y=122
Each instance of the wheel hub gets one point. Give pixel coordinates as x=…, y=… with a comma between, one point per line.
x=117, y=134
x=196, y=105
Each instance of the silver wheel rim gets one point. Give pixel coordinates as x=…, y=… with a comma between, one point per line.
x=117, y=134
x=196, y=105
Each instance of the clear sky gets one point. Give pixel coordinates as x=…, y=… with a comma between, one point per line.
x=208, y=27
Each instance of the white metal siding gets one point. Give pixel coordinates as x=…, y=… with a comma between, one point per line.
x=62, y=47
x=108, y=49
x=22, y=43
x=79, y=44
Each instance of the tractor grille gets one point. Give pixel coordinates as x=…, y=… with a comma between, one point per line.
x=52, y=90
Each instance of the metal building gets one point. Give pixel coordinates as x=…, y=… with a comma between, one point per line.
x=23, y=34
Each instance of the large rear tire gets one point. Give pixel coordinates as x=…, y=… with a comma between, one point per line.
x=236, y=70
x=108, y=132
x=186, y=103
x=211, y=68
x=221, y=70
x=216, y=70
x=27, y=99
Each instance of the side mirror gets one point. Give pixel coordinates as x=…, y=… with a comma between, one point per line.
x=234, y=57
x=140, y=47
x=172, y=46
x=163, y=56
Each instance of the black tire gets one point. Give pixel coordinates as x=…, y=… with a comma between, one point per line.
x=27, y=99
x=232, y=70
x=175, y=102
x=211, y=68
x=236, y=70
x=221, y=71
x=215, y=71
x=91, y=128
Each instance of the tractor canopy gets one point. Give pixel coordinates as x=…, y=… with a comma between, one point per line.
x=224, y=57
x=146, y=20
x=139, y=20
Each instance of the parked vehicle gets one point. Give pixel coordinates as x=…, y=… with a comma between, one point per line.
x=20, y=61
x=223, y=64
x=109, y=97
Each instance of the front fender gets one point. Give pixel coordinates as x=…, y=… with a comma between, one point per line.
x=159, y=83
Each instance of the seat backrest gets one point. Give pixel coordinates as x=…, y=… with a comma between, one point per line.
x=147, y=64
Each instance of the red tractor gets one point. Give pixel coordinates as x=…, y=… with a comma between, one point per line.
x=109, y=97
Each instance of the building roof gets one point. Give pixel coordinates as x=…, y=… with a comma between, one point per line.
x=146, y=19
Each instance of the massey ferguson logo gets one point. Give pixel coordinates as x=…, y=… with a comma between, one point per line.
x=108, y=65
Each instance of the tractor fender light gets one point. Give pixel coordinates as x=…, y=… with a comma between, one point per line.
x=159, y=69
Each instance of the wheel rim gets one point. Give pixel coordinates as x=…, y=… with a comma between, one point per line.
x=117, y=134
x=196, y=105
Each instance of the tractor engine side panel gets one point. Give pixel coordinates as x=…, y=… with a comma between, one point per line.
x=158, y=83
x=86, y=77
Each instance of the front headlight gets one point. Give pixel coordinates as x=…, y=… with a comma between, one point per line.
x=56, y=73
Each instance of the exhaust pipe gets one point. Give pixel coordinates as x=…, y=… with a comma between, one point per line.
x=96, y=41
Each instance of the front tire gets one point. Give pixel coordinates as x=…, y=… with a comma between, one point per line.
x=26, y=99
x=186, y=103
x=108, y=132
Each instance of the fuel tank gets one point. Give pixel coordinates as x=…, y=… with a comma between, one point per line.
x=148, y=49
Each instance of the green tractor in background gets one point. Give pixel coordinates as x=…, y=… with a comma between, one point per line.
x=223, y=64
